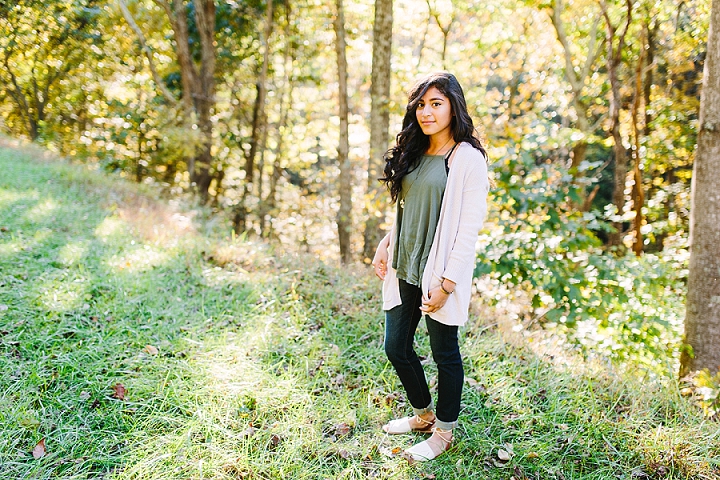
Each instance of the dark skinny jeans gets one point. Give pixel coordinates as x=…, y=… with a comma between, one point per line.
x=401, y=323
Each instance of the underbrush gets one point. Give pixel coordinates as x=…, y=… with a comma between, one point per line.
x=136, y=346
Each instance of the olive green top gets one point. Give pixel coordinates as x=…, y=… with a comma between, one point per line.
x=417, y=217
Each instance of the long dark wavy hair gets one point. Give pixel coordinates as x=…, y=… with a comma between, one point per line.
x=411, y=143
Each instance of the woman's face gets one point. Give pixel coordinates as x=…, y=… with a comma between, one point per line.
x=434, y=112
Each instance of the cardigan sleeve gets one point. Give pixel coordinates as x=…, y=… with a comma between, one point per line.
x=473, y=209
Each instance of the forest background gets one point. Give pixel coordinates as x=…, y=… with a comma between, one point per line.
x=262, y=114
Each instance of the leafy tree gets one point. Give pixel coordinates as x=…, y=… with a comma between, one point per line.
x=42, y=44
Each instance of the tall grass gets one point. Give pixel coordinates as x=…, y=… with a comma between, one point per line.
x=241, y=360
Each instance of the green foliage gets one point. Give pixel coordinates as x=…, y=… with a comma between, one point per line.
x=626, y=309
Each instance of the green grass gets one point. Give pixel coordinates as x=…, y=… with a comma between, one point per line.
x=269, y=364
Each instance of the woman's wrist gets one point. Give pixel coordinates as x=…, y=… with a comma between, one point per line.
x=445, y=290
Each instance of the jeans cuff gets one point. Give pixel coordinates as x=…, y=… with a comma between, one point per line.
x=423, y=411
x=447, y=426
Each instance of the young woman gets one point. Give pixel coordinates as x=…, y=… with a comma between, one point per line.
x=437, y=175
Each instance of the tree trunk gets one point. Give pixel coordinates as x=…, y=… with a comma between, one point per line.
x=638, y=194
x=379, y=122
x=258, y=126
x=198, y=87
x=577, y=80
x=262, y=208
x=647, y=87
x=614, y=61
x=344, y=221
x=285, y=101
x=702, y=318
x=205, y=99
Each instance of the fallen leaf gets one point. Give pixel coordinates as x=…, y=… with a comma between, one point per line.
x=249, y=432
x=410, y=459
x=532, y=455
x=150, y=350
x=29, y=421
x=3, y=308
x=503, y=455
x=119, y=391
x=342, y=429
x=275, y=440
x=84, y=395
x=39, y=451
x=344, y=454
x=563, y=426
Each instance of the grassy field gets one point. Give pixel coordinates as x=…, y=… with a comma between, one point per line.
x=138, y=343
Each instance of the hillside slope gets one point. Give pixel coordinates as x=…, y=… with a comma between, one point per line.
x=135, y=346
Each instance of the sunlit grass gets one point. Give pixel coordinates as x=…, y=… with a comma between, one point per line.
x=140, y=258
x=41, y=211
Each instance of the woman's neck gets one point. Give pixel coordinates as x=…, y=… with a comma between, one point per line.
x=439, y=143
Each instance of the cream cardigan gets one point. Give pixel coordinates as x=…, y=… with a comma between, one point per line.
x=452, y=254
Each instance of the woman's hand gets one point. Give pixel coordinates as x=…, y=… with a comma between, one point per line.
x=435, y=300
x=438, y=296
x=380, y=259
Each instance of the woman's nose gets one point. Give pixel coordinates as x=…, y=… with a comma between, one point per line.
x=426, y=110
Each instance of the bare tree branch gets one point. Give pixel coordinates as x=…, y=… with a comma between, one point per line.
x=148, y=53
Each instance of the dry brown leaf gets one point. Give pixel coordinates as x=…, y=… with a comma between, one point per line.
x=249, y=432
x=342, y=429
x=149, y=349
x=39, y=451
x=532, y=455
x=119, y=391
x=503, y=455
x=275, y=440
x=410, y=459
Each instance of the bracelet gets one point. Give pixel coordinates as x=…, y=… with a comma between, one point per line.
x=442, y=289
